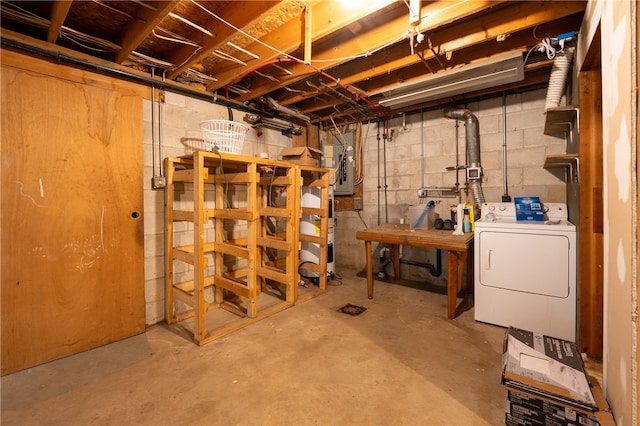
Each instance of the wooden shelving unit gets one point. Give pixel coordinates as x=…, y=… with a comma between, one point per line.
x=232, y=240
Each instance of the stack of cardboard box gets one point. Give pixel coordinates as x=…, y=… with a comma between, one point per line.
x=547, y=383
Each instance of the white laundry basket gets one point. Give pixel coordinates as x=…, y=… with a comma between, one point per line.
x=227, y=136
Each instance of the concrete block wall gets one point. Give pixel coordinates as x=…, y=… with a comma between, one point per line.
x=417, y=156
x=420, y=152
x=181, y=117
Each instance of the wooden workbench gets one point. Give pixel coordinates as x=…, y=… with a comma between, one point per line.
x=459, y=249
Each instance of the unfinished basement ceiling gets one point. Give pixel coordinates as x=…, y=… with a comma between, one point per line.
x=315, y=59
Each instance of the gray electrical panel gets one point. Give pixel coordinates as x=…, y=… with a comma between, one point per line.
x=344, y=164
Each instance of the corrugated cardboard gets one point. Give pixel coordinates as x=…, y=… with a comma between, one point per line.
x=523, y=409
x=302, y=155
x=547, y=366
x=548, y=384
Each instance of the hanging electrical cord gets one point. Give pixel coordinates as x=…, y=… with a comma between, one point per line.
x=331, y=277
x=160, y=102
x=379, y=187
x=337, y=171
x=175, y=38
x=360, y=143
x=424, y=61
x=148, y=60
x=505, y=185
x=192, y=75
x=153, y=123
x=359, y=177
x=270, y=77
x=289, y=89
x=222, y=55
x=191, y=24
x=546, y=44
x=435, y=54
x=384, y=164
x=541, y=47
x=80, y=39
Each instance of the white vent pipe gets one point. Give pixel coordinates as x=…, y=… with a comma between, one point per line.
x=558, y=77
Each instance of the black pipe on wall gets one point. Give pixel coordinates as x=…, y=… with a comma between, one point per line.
x=434, y=270
x=124, y=75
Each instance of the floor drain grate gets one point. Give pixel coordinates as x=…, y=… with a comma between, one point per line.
x=352, y=310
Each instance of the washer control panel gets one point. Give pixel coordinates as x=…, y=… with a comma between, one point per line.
x=498, y=210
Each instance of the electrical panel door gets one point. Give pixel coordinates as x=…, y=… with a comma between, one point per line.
x=344, y=164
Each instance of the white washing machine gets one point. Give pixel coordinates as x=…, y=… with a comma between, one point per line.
x=525, y=272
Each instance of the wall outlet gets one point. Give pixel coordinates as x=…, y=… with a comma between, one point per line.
x=158, y=182
x=357, y=203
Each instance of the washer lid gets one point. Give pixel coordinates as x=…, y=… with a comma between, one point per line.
x=552, y=225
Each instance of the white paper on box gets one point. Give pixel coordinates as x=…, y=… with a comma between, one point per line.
x=534, y=363
x=546, y=360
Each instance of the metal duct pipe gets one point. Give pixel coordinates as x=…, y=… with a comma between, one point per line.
x=286, y=110
x=472, y=137
x=471, y=133
x=558, y=77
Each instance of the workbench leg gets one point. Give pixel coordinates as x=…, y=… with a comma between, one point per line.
x=470, y=274
x=367, y=249
x=395, y=259
x=453, y=277
x=462, y=258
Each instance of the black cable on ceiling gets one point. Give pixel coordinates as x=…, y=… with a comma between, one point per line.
x=124, y=75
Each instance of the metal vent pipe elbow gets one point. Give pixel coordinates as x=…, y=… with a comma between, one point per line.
x=472, y=132
x=472, y=136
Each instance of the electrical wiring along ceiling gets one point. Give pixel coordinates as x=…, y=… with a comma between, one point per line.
x=305, y=61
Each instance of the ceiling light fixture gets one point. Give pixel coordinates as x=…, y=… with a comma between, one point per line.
x=495, y=71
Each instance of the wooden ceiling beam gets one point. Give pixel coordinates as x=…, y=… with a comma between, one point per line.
x=436, y=15
x=241, y=16
x=449, y=40
x=139, y=29
x=327, y=17
x=59, y=11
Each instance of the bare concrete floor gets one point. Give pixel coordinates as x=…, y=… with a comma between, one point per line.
x=401, y=362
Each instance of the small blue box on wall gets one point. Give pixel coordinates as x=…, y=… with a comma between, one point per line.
x=529, y=208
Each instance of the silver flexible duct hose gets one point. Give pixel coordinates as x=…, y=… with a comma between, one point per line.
x=472, y=135
x=476, y=192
